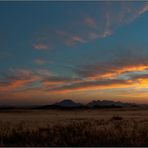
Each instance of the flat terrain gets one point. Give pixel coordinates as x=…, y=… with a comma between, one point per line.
x=43, y=117
x=82, y=127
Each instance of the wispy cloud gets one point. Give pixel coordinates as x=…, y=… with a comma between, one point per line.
x=69, y=39
x=74, y=39
x=55, y=81
x=39, y=46
x=44, y=81
x=140, y=81
x=39, y=61
x=91, y=85
x=102, y=71
x=129, y=61
x=22, y=79
x=88, y=27
x=90, y=21
x=143, y=9
x=16, y=79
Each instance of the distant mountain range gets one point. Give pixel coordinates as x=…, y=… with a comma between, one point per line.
x=107, y=103
x=93, y=104
x=70, y=104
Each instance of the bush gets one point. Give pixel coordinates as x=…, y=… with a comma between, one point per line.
x=77, y=133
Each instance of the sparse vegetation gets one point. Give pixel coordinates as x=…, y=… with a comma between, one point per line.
x=116, y=118
x=113, y=131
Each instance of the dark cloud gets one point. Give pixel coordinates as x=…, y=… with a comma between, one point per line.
x=119, y=65
x=86, y=85
x=139, y=76
x=16, y=79
x=60, y=79
x=23, y=78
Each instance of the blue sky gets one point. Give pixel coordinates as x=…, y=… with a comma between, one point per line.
x=80, y=50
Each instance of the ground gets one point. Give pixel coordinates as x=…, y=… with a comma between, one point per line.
x=50, y=127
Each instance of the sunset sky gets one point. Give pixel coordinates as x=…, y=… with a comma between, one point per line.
x=50, y=51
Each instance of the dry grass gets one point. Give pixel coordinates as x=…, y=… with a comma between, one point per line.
x=115, y=130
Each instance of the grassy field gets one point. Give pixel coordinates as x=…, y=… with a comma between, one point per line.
x=102, y=127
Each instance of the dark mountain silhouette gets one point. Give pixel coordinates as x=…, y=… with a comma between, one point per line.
x=64, y=104
x=68, y=103
x=107, y=103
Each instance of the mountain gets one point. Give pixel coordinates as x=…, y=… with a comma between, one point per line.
x=107, y=103
x=67, y=103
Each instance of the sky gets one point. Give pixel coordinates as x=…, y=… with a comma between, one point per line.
x=50, y=51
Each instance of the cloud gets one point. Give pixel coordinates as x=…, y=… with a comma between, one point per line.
x=24, y=79
x=113, y=67
x=91, y=26
x=109, y=71
x=41, y=47
x=16, y=79
x=126, y=13
x=92, y=85
x=140, y=11
x=143, y=9
x=44, y=81
x=139, y=76
x=74, y=39
x=140, y=81
x=54, y=81
x=39, y=61
x=21, y=79
x=90, y=21
x=69, y=38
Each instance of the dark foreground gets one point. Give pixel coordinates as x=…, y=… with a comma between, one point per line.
x=74, y=128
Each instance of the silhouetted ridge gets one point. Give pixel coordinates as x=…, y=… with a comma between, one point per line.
x=70, y=104
x=67, y=103
x=107, y=103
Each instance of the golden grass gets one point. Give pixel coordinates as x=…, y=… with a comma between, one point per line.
x=74, y=128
